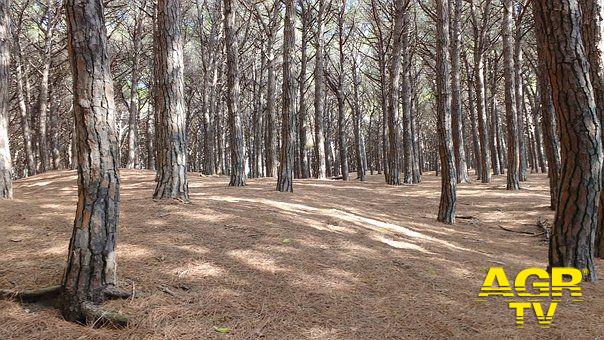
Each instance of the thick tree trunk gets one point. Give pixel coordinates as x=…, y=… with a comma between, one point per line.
x=448, y=195
x=573, y=234
x=548, y=115
x=593, y=40
x=235, y=121
x=485, y=155
x=91, y=264
x=285, y=174
x=513, y=179
x=6, y=169
x=170, y=111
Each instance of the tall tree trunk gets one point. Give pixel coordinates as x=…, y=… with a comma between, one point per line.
x=573, y=234
x=91, y=264
x=42, y=105
x=170, y=111
x=235, y=121
x=23, y=107
x=6, y=168
x=394, y=173
x=456, y=107
x=513, y=178
x=548, y=115
x=408, y=176
x=448, y=195
x=342, y=131
x=319, y=136
x=519, y=94
x=302, y=112
x=476, y=149
x=285, y=174
x=133, y=111
x=359, y=141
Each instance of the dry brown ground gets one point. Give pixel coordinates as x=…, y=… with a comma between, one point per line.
x=333, y=260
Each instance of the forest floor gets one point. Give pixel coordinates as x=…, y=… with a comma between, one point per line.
x=338, y=260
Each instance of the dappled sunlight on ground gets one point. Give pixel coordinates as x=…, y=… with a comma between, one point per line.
x=332, y=260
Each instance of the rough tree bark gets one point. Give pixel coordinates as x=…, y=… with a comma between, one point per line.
x=235, y=121
x=448, y=195
x=513, y=179
x=593, y=40
x=6, y=170
x=550, y=134
x=573, y=233
x=91, y=266
x=170, y=112
x=285, y=174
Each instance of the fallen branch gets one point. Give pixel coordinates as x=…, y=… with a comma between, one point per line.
x=517, y=231
x=31, y=295
x=100, y=317
x=465, y=217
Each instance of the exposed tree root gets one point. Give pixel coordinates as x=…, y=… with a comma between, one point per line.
x=99, y=317
x=33, y=295
x=113, y=293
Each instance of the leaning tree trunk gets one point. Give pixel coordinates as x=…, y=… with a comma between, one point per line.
x=319, y=137
x=286, y=161
x=6, y=169
x=448, y=195
x=170, y=111
x=513, y=179
x=573, y=233
x=235, y=121
x=91, y=264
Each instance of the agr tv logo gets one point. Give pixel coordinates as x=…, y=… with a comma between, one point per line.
x=542, y=288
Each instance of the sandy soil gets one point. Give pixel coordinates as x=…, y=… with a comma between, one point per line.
x=333, y=260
